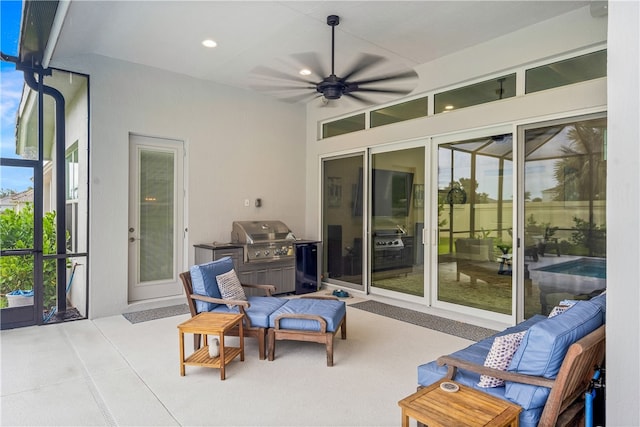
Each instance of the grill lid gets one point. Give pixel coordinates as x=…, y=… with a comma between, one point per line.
x=251, y=232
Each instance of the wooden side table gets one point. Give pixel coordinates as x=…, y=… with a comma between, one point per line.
x=211, y=324
x=466, y=407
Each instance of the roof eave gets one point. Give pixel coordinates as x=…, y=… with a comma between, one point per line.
x=35, y=30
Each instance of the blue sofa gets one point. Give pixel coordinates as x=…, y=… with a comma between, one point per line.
x=540, y=378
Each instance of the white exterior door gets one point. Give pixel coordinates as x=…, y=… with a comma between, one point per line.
x=156, y=222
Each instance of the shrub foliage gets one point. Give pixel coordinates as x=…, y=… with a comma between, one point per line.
x=16, y=232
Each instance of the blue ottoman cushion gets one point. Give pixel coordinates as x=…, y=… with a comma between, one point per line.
x=330, y=310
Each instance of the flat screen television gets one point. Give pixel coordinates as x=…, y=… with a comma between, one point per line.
x=391, y=193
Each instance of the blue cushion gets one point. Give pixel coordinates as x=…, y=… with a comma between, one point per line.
x=544, y=347
x=259, y=310
x=203, y=279
x=476, y=353
x=330, y=310
x=601, y=300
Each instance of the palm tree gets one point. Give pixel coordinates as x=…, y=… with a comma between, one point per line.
x=581, y=172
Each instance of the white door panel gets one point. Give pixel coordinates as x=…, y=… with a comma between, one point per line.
x=156, y=237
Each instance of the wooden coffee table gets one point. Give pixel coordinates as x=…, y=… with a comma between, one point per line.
x=211, y=324
x=466, y=407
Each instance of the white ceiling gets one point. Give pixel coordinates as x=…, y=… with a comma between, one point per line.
x=168, y=34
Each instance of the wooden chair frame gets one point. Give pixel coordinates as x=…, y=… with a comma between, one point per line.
x=249, y=329
x=565, y=404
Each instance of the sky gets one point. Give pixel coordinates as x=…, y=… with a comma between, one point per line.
x=11, y=83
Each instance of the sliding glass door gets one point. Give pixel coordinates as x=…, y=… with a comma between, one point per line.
x=397, y=221
x=474, y=222
x=385, y=198
x=564, y=211
x=517, y=226
x=343, y=210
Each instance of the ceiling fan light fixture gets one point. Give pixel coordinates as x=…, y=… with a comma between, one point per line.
x=331, y=91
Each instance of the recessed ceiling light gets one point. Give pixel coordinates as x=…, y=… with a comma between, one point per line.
x=209, y=43
x=305, y=72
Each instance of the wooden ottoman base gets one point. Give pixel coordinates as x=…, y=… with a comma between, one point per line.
x=321, y=336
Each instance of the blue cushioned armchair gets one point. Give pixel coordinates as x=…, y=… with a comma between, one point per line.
x=202, y=294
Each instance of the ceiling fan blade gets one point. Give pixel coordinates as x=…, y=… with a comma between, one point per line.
x=303, y=97
x=270, y=72
x=266, y=88
x=365, y=62
x=391, y=91
x=404, y=75
x=359, y=98
x=312, y=62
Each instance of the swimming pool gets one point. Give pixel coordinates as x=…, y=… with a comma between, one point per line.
x=577, y=277
x=590, y=267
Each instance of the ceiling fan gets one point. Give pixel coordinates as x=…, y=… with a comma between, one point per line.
x=334, y=87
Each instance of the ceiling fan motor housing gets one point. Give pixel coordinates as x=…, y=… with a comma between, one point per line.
x=332, y=87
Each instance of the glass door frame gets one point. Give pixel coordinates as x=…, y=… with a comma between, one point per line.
x=387, y=148
x=432, y=236
x=520, y=221
x=14, y=317
x=365, y=217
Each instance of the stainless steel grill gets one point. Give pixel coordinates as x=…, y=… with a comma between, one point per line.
x=388, y=239
x=264, y=241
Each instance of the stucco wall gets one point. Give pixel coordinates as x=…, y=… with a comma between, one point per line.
x=623, y=229
x=239, y=146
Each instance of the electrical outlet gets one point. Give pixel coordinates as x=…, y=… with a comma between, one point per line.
x=247, y=202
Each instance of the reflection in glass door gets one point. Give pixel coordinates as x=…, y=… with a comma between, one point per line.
x=475, y=208
x=397, y=221
x=565, y=200
x=343, y=208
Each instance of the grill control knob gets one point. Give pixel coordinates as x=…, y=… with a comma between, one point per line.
x=266, y=253
x=257, y=254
